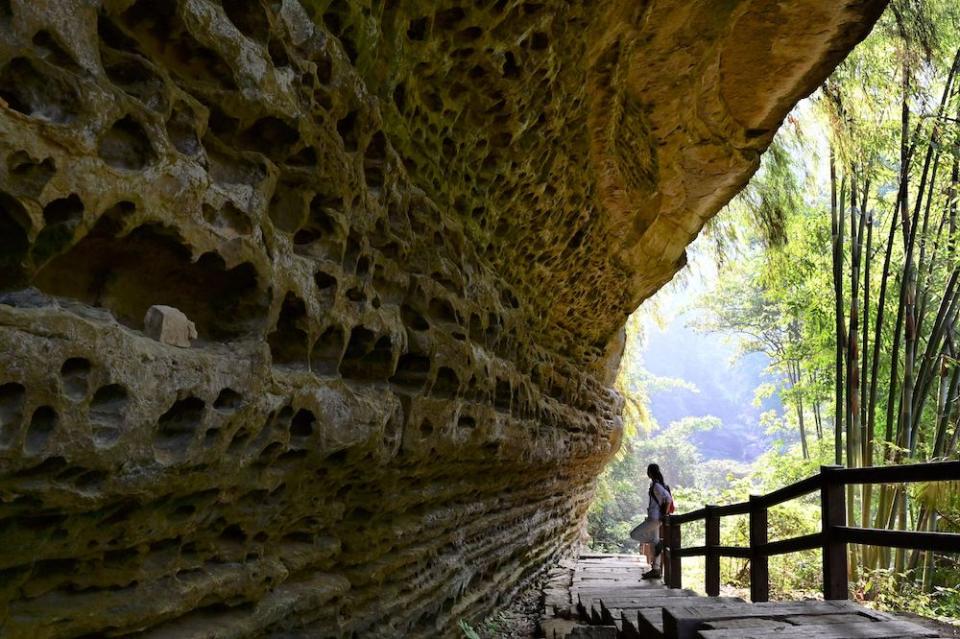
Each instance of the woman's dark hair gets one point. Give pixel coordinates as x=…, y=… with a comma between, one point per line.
x=653, y=472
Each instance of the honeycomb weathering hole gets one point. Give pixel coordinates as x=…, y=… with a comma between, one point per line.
x=107, y=414
x=126, y=146
x=108, y=272
x=327, y=351
x=271, y=136
x=182, y=131
x=446, y=384
x=302, y=423
x=61, y=216
x=249, y=18
x=228, y=400
x=29, y=175
x=177, y=427
x=288, y=341
x=12, y=397
x=132, y=75
x=14, y=243
x=161, y=30
x=412, y=372
x=74, y=373
x=26, y=88
x=228, y=218
x=368, y=357
x=42, y=425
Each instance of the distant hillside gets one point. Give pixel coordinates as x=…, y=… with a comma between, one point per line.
x=726, y=388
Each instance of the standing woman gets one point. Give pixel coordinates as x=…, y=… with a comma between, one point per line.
x=648, y=532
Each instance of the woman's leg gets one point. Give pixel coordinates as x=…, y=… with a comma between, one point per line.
x=648, y=534
x=655, y=556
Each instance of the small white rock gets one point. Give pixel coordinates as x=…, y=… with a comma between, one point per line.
x=169, y=325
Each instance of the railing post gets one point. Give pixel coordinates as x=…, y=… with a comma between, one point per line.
x=713, y=557
x=665, y=527
x=759, y=570
x=675, y=573
x=833, y=513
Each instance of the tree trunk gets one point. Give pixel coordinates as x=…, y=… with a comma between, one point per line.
x=836, y=233
x=799, y=399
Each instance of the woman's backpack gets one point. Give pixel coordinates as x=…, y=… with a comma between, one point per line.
x=667, y=508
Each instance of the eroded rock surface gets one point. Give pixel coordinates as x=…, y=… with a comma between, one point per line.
x=407, y=234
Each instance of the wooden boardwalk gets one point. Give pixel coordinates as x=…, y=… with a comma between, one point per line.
x=603, y=597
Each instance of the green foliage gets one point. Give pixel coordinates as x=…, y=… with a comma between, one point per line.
x=496, y=625
x=885, y=589
x=467, y=630
x=839, y=154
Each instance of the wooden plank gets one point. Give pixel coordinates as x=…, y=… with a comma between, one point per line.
x=632, y=602
x=612, y=571
x=637, y=589
x=809, y=620
x=633, y=593
x=650, y=620
x=935, y=471
x=593, y=632
x=733, y=509
x=682, y=621
x=667, y=602
x=740, y=552
x=824, y=607
x=794, y=544
x=609, y=570
x=557, y=628
x=620, y=571
x=628, y=629
x=650, y=623
x=634, y=575
x=627, y=578
x=935, y=541
x=743, y=623
x=868, y=630
x=798, y=489
x=656, y=604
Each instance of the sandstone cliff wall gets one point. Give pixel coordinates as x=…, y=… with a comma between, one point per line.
x=406, y=234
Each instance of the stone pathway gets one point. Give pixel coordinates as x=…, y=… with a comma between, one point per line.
x=603, y=597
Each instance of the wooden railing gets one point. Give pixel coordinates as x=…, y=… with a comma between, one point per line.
x=832, y=538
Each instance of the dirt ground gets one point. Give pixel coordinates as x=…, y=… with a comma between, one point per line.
x=945, y=629
x=519, y=620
